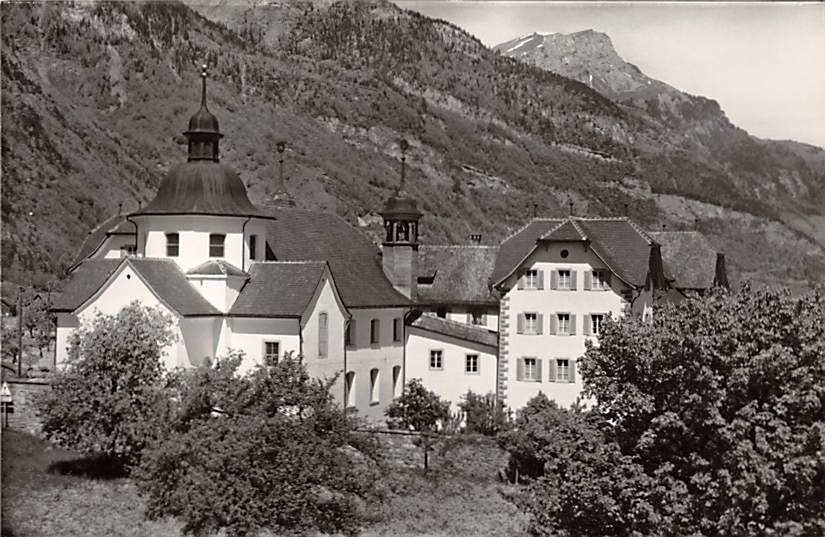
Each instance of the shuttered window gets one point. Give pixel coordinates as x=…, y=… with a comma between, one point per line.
x=216, y=244
x=172, y=245
x=529, y=323
x=528, y=369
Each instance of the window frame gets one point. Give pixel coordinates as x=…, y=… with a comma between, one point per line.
x=600, y=276
x=375, y=331
x=222, y=244
x=396, y=329
x=559, y=285
x=566, y=330
x=535, y=369
x=528, y=330
x=349, y=390
x=562, y=367
x=253, y=247
x=593, y=324
x=265, y=354
x=175, y=245
x=375, y=386
x=440, y=360
x=476, y=369
x=350, y=334
x=397, y=385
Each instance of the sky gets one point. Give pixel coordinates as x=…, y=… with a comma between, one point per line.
x=763, y=62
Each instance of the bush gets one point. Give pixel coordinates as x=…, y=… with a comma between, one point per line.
x=421, y=410
x=484, y=414
x=709, y=421
x=268, y=450
x=110, y=398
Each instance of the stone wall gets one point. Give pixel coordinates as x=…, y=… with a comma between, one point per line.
x=24, y=394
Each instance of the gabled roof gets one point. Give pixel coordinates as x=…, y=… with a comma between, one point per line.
x=278, y=289
x=217, y=267
x=462, y=331
x=162, y=276
x=85, y=281
x=689, y=257
x=620, y=243
x=460, y=274
x=515, y=248
x=115, y=225
x=300, y=235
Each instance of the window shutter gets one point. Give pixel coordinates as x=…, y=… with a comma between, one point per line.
x=572, y=324
x=588, y=280
x=554, y=279
x=554, y=324
x=520, y=323
x=520, y=369
x=587, y=322
x=521, y=281
x=538, y=370
x=573, y=279
x=541, y=279
x=572, y=370
x=552, y=368
x=539, y=324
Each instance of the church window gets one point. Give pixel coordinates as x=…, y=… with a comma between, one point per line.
x=172, y=245
x=323, y=333
x=216, y=243
x=253, y=247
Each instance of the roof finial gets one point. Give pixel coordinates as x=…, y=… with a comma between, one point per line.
x=404, y=146
x=203, y=87
x=570, y=203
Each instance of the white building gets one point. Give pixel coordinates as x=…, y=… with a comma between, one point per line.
x=510, y=319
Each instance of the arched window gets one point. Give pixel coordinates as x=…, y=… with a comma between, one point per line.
x=396, y=381
x=253, y=247
x=323, y=333
x=349, y=389
x=374, y=386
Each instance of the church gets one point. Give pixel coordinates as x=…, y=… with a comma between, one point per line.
x=510, y=320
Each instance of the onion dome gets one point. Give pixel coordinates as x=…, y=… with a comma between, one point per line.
x=401, y=206
x=202, y=185
x=203, y=133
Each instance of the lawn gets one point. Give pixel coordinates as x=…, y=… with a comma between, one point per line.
x=50, y=491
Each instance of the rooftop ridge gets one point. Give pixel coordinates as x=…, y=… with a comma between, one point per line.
x=478, y=246
x=525, y=226
x=579, y=229
x=640, y=231
x=276, y=262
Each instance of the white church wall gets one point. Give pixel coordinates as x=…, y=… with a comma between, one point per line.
x=364, y=356
x=248, y=335
x=332, y=362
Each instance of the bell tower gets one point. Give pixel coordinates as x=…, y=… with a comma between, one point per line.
x=400, y=247
x=203, y=133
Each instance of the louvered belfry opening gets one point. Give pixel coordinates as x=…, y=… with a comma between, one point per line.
x=203, y=133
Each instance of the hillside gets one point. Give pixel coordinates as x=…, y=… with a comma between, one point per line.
x=96, y=96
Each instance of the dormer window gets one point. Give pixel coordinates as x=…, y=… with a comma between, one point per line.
x=172, y=245
x=216, y=244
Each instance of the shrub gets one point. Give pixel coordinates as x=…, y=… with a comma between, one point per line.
x=268, y=450
x=421, y=410
x=709, y=421
x=484, y=414
x=110, y=398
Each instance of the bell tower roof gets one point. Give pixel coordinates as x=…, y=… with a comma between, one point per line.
x=203, y=133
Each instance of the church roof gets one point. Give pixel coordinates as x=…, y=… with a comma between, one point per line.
x=115, y=225
x=201, y=187
x=689, y=257
x=466, y=332
x=278, y=289
x=217, y=267
x=163, y=276
x=300, y=235
x=459, y=274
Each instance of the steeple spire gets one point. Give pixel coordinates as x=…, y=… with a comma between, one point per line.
x=203, y=133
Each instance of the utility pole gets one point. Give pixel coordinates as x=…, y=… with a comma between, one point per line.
x=20, y=332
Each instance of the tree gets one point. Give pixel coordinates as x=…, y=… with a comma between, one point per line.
x=709, y=421
x=110, y=398
x=483, y=413
x=266, y=450
x=421, y=410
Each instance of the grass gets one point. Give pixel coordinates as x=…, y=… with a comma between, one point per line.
x=51, y=491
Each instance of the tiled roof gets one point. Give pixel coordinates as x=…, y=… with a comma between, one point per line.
x=170, y=283
x=690, y=259
x=566, y=231
x=519, y=245
x=278, y=289
x=116, y=225
x=85, y=281
x=216, y=267
x=300, y=235
x=623, y=246
x=162, y=275
x=461, y=274
x=457, y=330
